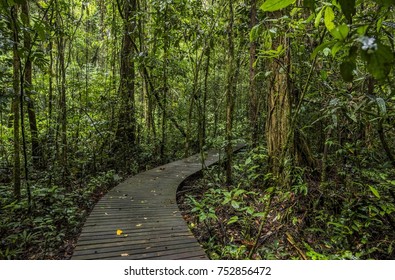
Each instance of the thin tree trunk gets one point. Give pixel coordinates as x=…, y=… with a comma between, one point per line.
x=15, y=104
x=230, y=96
x=36, y=147
x=254, y=108
x=165, y=83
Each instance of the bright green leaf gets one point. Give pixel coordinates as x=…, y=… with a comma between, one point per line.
x=329, y=18
x=375, y=192
x=275, y=5
x=336, y=48
x=233, y=220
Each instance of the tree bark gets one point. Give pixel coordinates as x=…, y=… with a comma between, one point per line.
x=126, y=129
x=254, y=108
x=36, y=147
x=230, y=96
x=15, y=104
x=278, y=108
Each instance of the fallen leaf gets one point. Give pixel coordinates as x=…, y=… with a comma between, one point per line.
x=119, y=231
x=139, y=225
x=124, y=255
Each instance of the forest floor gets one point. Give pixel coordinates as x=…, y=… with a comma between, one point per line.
x=347, y=217
x=340, y=219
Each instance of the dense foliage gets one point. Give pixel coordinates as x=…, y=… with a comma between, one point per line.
x=93, y=91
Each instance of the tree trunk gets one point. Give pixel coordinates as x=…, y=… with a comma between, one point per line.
x=254, y=108
x=278, y=108
x=230, y=96
x=36, y=147
x=15, y=104
x=126, y=130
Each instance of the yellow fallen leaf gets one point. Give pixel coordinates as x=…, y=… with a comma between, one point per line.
x=119, y=231
x=139, y=225
x=124, y=255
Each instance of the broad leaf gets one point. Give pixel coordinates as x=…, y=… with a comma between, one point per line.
x=346, y=70
x=379, y=62
x=340, y=32
x=275, y=5
x=329, y=18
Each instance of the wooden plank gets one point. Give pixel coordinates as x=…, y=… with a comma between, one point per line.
x=144, y=207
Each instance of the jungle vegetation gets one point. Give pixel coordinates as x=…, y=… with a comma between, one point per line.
x=92, y=91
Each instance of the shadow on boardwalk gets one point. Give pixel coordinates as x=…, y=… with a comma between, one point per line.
x=144, y=208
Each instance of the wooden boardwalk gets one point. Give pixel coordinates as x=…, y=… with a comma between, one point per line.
x=144, y=208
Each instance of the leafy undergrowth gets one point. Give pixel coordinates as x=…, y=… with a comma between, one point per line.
x=50, y=230
x=352, y=218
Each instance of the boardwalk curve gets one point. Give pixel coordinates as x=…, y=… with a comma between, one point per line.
x=144, y=208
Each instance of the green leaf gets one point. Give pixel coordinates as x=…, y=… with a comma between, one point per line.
x=329, y=18
x=233, y=220
x=340, y=32
x=362, y=30
x=318, y=18
x=322, y=47
x=379, y=62
x=235, y=204
x=275, y=5
x=346, y=70
x=348, y=8
x=239, y=192
x=336, y=48
x=375, y=192
x=260, y=214
x=381, y=105
x=254, y=33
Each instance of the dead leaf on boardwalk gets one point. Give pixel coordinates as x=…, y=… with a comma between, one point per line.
x=139, y=225
x=124, y=255
x=119, y=231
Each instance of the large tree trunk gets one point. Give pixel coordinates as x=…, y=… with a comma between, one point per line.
x=126, y=130
x=278, y=109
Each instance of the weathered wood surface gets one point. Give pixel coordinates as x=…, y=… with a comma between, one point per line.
x=144, y=207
